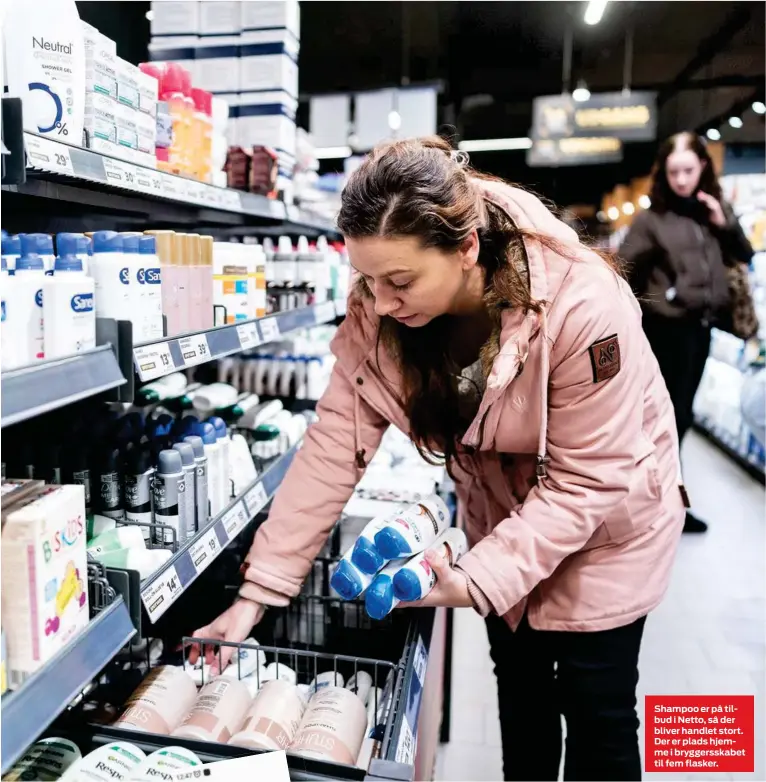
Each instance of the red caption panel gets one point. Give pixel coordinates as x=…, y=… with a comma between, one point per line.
x=694, y=733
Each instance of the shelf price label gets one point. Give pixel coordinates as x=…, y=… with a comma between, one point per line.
x=324, y=312
x=234, y=520
x=194, y=349
x=230, y=199
x=145, y=180
x=161, y=593
x=248, y=336
x=171, y=185
x=153, y=361
x=256, y=499
x=269, y=329
x=47, y=154
x=205, y=550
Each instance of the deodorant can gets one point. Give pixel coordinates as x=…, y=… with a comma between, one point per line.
x=169, y=493
x=189, y=510
x=137, y=488
x=200, y=484
x=109, y=482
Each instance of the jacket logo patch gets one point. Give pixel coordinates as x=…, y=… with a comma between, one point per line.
x=605, y=358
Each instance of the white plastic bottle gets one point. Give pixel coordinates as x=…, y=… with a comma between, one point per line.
x=164, y=764
x=273, y=718
x=414, y=530
x=137, y=288
x=26, y=292
x=215, y=473
x=44, y=245
x=117, y=760
x=111, y=276
x=222, y=436
x=150, y=274
x=69, y=316
x=363, y=555
x=45, y=66
x=8, y=339
x=218, y=712
x=11, y=251
x=84, y=251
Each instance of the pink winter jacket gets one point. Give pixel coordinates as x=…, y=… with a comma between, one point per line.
x=572, y=500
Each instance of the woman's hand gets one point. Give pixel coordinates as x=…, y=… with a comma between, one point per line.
x=451, y=588
x=233, y=625
x=717, y=216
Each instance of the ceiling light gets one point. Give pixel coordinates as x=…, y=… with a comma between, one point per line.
x=613, y=213
x=713, y=134
x=150, y=15
x=330, y=153
x=581, y=93
x=759, y=107
x=735, y=122
x=644, y=201
x=595, y=11
x=494, y=144
x=628, y=208
x=601, y=216
x=394, y=120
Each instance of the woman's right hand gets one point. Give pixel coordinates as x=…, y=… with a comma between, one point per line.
x=233, y=625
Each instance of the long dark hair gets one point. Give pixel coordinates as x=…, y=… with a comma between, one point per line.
x=421, y=188
x=662, y=194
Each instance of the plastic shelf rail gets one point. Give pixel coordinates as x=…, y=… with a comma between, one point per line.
x=28, y=711
x=165, y=587
x=84, y=173
x=156, y=359
x=38, y=388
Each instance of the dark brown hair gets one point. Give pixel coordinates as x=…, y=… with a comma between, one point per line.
x=421, y=188
x=662, y=195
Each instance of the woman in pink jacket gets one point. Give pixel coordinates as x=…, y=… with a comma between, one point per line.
x=484, y=328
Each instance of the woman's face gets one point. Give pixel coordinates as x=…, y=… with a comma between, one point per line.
x=683, y=169
x=412, y=283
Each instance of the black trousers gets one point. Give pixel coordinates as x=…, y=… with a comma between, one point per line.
x=590, y=679
x=681, y=347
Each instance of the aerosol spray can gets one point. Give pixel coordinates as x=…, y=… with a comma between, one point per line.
x=169, y=493
x=189, y=510
x=200, y=485
x=137, y=487
x=109, y=485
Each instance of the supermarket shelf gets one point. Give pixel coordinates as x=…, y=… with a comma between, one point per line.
x=27, y=712
x=81, y=176
x=752, y=468
x=165, y=587
x=38, y=388
x=156, y=359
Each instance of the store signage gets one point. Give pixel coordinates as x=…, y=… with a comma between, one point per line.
x=629, y=116
x=552, y=153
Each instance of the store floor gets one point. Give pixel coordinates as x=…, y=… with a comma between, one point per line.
x=707, y=638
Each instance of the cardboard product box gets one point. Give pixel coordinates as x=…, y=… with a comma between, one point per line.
x=217, y=63
x=268, y=60
x=219, y=17
x=262, y=14
x=180, y=17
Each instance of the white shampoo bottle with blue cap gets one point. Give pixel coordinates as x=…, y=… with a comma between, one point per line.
x=364, y=555
x=69, y=315
x=111, y=276
x=26, y=292
x=414, y=530
x=151, y=275
x=417, y=578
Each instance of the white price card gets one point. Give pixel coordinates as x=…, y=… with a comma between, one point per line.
x=119, y=173
x=204, y=551
x=248, y=336
x=161, y=593
x=172, y=186
x=234, y=520
x=256, y=498
x=47, y=154
x=405, y=749
x=268, y=765
x=195, y=192
x=420, y=661
x=231, y=199
x=293, y=213
x=324, y=312
x=145, y=180
x=269, y=329
x=153, y=361
x=194, y=349
x=210, y=195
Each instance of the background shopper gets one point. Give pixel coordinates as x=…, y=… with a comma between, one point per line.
x=482, y=326
x=677, y=253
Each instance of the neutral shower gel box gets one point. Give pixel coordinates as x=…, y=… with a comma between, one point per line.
x=44, y=577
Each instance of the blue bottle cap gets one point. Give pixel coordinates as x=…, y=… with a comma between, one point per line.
x=147, y=245
x=107, y=242
x=220, y=426
x=44, y=243
x=66, y=244
x=379, y=598
x=195, y=441
x=29, y=245
x=32, y=262
x=67, y=263
x=208, y=434
x=5, y=264
x=367, y=557
x=391, y=543
x=346, y=581
x=85, y=245
x=187, y=453
x=130, y=242
x=407, y=585
x=11, y=245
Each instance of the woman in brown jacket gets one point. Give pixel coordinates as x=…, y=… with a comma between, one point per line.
x=677, y=253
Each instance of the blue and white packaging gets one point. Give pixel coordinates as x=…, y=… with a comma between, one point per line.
x=150, y=278
x=268, y=61
x=11, y=249
x=268, y=119
x=271, y=14
x=24, y=322
x=217, y=63
x=417, y=578
x=111, y=276
x=379, y=599
x=414, y=530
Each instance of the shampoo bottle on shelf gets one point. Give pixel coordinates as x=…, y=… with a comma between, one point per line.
x=26, y=292
x=206, y=281
x=45, y=250
x=11, y=251
x=181, y=249
x=150, y=274
x=165, y=248
x=111, y=276
x=136, y=287
x=69, y=317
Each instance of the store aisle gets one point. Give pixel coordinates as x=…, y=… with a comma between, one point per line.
x=706, y=638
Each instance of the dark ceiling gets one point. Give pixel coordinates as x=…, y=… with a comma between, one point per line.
x=706, y=59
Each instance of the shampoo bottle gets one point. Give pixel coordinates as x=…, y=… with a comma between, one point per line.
x=414, y=530
x=416, y=579
x=218, y=712
x=25, y=290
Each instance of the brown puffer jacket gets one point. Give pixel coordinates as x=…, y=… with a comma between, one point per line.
x=677, y=264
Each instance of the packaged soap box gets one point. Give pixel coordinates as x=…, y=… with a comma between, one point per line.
x=44, y=576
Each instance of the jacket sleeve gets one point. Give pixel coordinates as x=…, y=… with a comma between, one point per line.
x=734, y=243
x=594, y=435
x=309, y=501
x=638, y=250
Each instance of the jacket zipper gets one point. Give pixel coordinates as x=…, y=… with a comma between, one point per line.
x=706, y=268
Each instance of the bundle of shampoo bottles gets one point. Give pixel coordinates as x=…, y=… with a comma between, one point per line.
x=387, y=563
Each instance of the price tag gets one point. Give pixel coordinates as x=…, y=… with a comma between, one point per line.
x=234, y=520
x=163, y=591
x=293, y=213
x=44, y=153
x=153, y=361
x=115, y=171
x=324, y=312
x=256, y=498
x=194, y=349
x=171, y=186
x=230, y=199
x=248, y=336
x=144, y=179
x=405, y=749
x=205, y=550
x=210, y=195
x=420, y=661
x=195, y=192
x=269, y=329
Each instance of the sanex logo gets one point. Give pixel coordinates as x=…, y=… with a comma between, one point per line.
x=140, y=276
x=125, y=276
x=152, y=276
x=39, y=298
x=82, y=302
